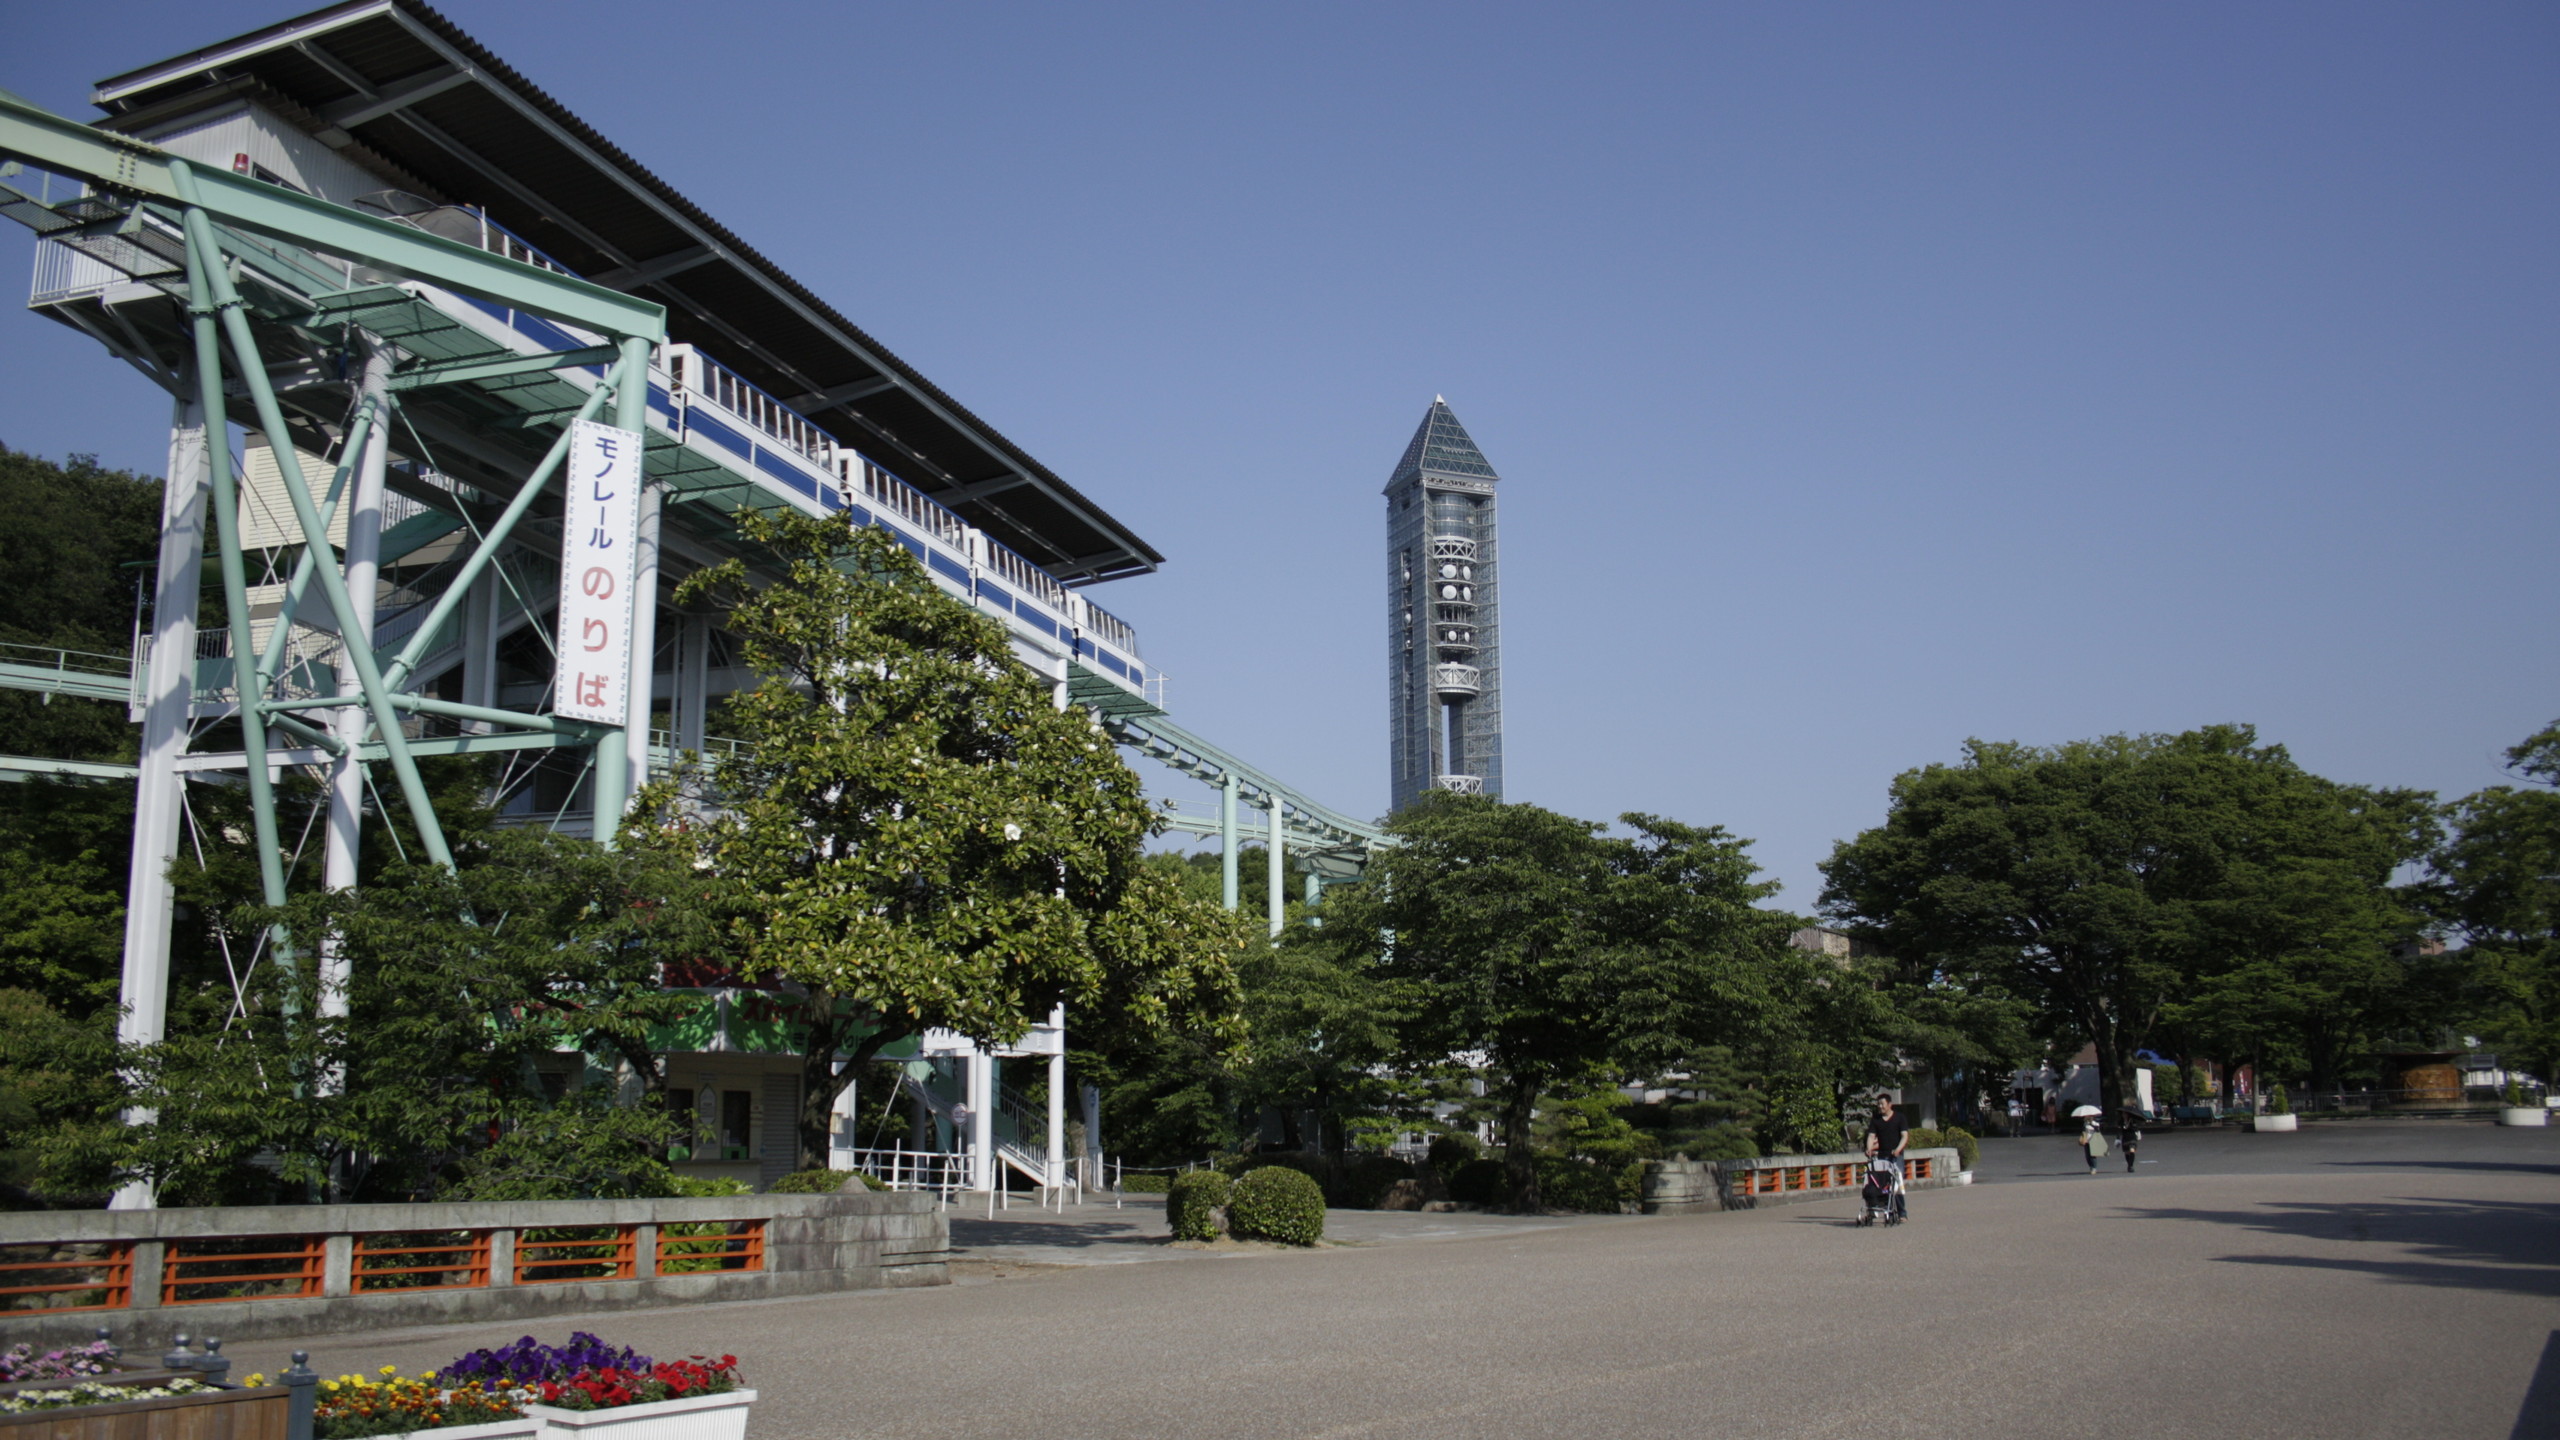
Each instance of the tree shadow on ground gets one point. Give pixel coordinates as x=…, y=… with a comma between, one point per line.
x=2516, y=1166
x=2511, y=1246
x=2538, y=1418
x=975, y=1234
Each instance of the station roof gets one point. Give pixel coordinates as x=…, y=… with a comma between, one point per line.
x=398, y=84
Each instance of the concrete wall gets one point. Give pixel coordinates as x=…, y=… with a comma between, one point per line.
x=1699, y=1187
x=812, y=1244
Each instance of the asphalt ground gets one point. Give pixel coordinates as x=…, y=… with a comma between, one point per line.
x=2374, y=1280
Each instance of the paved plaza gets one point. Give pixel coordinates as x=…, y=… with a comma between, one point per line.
x=2366, y=1280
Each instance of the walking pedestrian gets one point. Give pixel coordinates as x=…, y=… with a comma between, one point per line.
x=2093, y=1144
x=2132, y=1141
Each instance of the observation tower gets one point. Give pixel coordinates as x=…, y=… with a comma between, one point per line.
x=1444, y=616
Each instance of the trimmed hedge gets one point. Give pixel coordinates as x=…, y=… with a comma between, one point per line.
x=1144, y=1184
x=1451, y=1149
x=822, y=1182
x=1279, y=1203
x=1194, y=1205
x=1968, y=1149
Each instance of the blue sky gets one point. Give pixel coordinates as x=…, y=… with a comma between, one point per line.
x=1862, y=378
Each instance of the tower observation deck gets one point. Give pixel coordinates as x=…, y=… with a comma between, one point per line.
x=1444, y=616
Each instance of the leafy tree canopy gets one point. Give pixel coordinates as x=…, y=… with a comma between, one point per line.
x=2105, y=881
x=923, y=838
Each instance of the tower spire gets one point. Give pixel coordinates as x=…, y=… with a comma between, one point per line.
x=1443, y=614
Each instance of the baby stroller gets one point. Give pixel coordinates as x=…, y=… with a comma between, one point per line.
x=1881, y=1196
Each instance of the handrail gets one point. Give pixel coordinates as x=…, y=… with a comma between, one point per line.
x=60, y=658
x=1111, y=627
x=1021, y=573
x=696, y=373
x=861, y=473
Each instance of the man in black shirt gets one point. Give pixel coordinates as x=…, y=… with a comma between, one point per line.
x=1886, y=1137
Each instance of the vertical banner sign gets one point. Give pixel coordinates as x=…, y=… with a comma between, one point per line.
x=600, y=528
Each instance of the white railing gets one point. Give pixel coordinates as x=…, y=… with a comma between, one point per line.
x=63, y=273
x=1462, y=784
x=1030, y=579
x=862, y=478
x=1110, y=629
x=699, y=377
x=937, y=1171
x=1457, y=679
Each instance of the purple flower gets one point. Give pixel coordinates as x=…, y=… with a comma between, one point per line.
x=527, y=1360
x=20, y=1362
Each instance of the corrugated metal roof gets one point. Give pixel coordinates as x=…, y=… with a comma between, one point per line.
x=494, y=139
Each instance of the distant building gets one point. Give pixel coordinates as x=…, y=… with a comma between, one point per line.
x=1444, y=616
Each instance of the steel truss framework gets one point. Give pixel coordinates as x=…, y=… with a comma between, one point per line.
x=320, y=330
x=251, y=265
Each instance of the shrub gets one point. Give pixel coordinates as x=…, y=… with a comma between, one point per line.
x=822, y=1182
x=1279, y=1203
x=1451, y=1150
x=1725, y=1141
x=1968, y=1149
x=2278, y=1103
x=2514, y=1098
x=1923, y=1137
x=1569, y=1184
x=698, y=1187
x=1480, y=1182
x=1361, y=1181
x=1195, y=1205
x=1142, y=1184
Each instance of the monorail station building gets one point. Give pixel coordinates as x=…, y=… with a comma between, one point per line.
x=432, y=298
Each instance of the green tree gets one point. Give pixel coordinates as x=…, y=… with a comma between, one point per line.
x=1529, y=939
x=464, y=988
x=921, y=836
x=2496, y=883
x=78, y=542
x=2106, y=880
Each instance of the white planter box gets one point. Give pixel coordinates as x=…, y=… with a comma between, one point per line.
x=2263, y=1124
x=2524, y=1115
x=523, y=1427
x=695, y=1417
x=1964, y=1177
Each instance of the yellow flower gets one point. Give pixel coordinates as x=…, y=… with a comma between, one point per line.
x=388, y=1370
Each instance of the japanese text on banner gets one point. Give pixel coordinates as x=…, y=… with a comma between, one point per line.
x=601, y=525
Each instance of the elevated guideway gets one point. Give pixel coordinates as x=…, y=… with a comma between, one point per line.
x=411, y=376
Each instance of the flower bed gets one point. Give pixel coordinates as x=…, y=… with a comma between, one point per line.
x=93, y=1392
x=527, y=1388
x=20, y=1363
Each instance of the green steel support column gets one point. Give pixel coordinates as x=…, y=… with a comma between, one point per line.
x=491, y=543
x=1279, y=905
x=359, y=432
x=1227, y=841
x=235, y=581
x=613, y=748
x=1315, y=889
x=207, y=256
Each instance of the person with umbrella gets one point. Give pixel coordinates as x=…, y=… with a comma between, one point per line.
x=2093, y=1141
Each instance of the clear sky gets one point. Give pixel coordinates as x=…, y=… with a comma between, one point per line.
x=1862, y=377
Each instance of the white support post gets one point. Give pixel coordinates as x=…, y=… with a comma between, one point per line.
x=982, y=1121
x=644, y=634
x=168, y=696
x=1279, y=891
x=480, y=648
x=1058, y=1107
x=363, y=575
